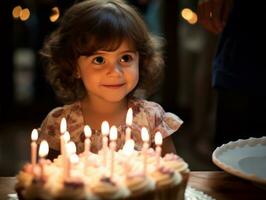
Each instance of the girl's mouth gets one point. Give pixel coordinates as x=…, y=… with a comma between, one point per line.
x=114, y=85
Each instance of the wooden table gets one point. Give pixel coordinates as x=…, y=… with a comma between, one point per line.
x=219, y=185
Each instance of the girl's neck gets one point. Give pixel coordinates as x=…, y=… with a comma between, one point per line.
x=97, y=110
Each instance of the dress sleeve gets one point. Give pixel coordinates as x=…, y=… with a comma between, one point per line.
x=50, y=128
x=165, y=122
x=170, y=124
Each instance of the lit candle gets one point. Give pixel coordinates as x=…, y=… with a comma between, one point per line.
x=74, y=160
x=34, y=137
x=129, y=120
x=87, y=143
x=66, y=139
x=63, y=129
x=43, y=152
x=105, y=133
x=70, y=150
x=87, y=146
x=113, y=137
x=158, y=142
x=145, y=138
x=128, y=150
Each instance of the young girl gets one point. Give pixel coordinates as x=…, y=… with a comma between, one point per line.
x=97, y=60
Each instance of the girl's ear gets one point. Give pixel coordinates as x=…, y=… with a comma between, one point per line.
x=77, y=74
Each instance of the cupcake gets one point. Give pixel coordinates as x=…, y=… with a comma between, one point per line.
x=167, y=183
x=176, y=163
x=71, y=189
x=106, y=188
x=140, y=187
x=24, y=180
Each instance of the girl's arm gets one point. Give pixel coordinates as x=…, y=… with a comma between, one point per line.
x=52, y=154
x=168, y=146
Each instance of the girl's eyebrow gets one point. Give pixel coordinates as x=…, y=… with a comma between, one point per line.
x=102, y=52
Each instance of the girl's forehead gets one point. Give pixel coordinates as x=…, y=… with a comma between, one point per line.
x=123, y=44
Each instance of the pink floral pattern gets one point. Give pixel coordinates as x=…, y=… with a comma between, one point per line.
x=145, y=114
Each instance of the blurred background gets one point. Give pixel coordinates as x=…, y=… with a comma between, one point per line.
x=26, y=97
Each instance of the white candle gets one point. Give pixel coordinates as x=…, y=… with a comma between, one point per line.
x=145, y=138
x=128, y=150
x=158, y=142
x=43, y=152
x=70, y=150
x=74, y=160
x=129, y=120
x=87, y=143
x=113, y=137
x=63, y=129
x=105, y=133
x=34, y=137
x=66, y=139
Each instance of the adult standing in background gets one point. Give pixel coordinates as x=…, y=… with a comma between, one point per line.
x=239, y=67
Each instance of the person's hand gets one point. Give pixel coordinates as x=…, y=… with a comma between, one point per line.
x=213, y=14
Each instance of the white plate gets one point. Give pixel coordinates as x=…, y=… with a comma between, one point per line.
x=243, y=158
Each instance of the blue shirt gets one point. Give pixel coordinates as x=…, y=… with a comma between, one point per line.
x=240, y=62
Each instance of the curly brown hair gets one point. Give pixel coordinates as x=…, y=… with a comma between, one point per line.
x=92, y=25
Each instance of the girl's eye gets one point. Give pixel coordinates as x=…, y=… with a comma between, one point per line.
x=99, y=60
x=126, y=58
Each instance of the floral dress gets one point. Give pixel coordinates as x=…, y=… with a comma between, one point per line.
x=145, y=114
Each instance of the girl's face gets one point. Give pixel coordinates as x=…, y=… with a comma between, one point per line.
x=110, y=75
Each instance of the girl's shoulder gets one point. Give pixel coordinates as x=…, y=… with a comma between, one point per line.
x=64, y=111
x=51, y=123
x=152, y=115
x=50, y=126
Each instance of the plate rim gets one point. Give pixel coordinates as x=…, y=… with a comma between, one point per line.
x=238, y=143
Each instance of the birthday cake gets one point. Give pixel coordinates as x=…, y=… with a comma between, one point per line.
x=109, y=174
x=129, y=175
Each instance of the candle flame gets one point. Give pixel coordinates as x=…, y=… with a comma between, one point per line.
x=44, y=149
x=66, y=136
x=63, y=125
x=71, y=148
x=128, y=147
x=113, y=133
x=74, y=158
x=129, y=117
x=158, y=138
x=34, y=135
x=145, y=134
x=87, y=131
x=105, y=128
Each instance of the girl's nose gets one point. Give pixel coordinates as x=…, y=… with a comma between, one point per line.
x=115, y=69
